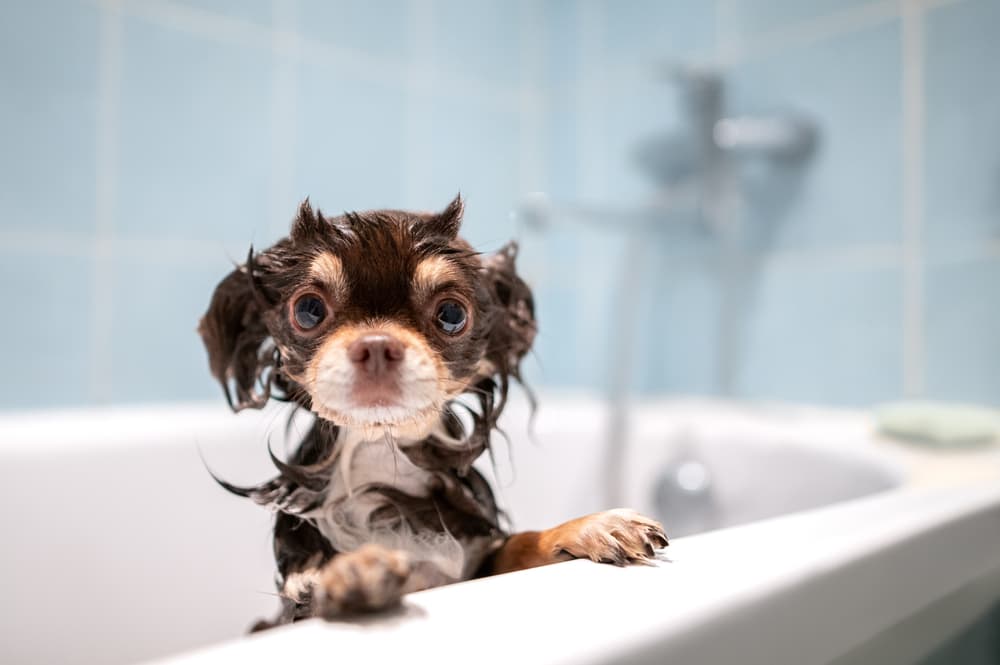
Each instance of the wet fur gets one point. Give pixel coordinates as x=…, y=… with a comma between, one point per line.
x=256, y=355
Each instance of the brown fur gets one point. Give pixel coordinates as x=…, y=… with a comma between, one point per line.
x=328, y=270
x=614, y=536
x=387, y=272
x=368, y=578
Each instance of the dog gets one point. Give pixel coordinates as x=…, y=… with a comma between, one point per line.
x=378, y=323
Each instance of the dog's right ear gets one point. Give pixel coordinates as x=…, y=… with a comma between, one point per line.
x=236, y=339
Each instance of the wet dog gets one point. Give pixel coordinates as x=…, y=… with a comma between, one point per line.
x=381, y=323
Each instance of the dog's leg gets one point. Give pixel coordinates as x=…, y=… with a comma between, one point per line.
x=367, y=579
x=314, y=580
x=614, y=536
x=370, y=578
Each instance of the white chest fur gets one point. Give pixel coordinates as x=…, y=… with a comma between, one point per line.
x=345, y=517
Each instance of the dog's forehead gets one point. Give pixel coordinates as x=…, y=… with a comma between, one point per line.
x=382, y=263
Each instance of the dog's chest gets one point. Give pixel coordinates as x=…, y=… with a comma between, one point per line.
x=365, y=463
x=372, y=483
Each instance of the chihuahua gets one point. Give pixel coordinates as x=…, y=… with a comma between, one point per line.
x=378, y=323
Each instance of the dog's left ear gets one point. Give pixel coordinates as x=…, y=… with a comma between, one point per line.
x=235, y=337
x=513, y=326
x=445, y=224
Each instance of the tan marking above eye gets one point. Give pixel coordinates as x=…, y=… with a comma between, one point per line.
x=431, y=273
x=327, y=269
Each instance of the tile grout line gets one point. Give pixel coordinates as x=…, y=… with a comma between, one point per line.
x=81, y=245
x=213, y=26
x=106, y=170
x=284, y=105
x=591, y=175
x=913, y=95
x=722, y=21
x=533, y=166
x=731, y=347
x=220, y=28
x=419, y=79
x=810, y=31
x=795, y=34
x=531, y=152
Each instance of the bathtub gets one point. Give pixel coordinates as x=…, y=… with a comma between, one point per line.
x=806, y=539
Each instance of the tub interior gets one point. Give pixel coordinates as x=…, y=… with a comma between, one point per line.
x=700, y=483
x=119, y=543
x=743, y=464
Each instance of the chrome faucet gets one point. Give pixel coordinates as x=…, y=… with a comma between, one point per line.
x=709, y=146
x=696, y=174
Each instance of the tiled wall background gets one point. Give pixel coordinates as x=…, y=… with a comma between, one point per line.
x=872, y=274
x=145, y=143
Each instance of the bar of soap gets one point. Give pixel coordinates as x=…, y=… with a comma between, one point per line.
x=938, y=424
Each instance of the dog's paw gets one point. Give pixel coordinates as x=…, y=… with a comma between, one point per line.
x=619, y=536
x=368, y=579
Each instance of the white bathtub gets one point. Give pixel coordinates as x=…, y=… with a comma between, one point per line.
x=119, y=547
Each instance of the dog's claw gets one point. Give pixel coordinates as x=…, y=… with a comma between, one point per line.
x=657, y=536
x=619, y=536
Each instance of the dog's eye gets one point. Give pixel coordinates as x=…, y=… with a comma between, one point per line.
x=451, y=317
x=308, y=312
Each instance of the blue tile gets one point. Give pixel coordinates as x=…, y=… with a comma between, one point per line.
x=195, y=143
x=255, y=11
x=554, y=252
x=648, y=33
x=587, y=327
x=350, y=144
x=476, y=150
x=636, y=38
x=156, y=306
x=574, y=331
x=751, y=18
x=962, y=154
x=850, y=190
x=379, y=27
x=823, y=335
x=479, y=39
x=47, y=338
x=559, y=25
x=573, y=302
x=48, y=118
x=637, y=113
x=601, y=323
x=562, y=150
x=963, y=326
x=557, y=346
x=679, y=339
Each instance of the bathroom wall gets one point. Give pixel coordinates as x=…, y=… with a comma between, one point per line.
x=871, y=274
x=147, y=143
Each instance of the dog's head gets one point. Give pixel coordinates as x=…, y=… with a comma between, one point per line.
x=373, y=319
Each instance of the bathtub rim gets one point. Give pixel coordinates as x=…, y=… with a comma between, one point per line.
x=904, y=512
x=750, y=592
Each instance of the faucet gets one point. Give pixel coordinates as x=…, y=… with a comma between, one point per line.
x=695, y=171
x=707, y=149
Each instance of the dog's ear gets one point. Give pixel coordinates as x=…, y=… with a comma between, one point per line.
x=236, y=339
x=445, y=224
x=513, y=326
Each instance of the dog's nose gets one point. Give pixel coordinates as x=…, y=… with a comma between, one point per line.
x=376, y=354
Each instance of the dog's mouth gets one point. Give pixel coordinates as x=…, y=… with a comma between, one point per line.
x=379, y=377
